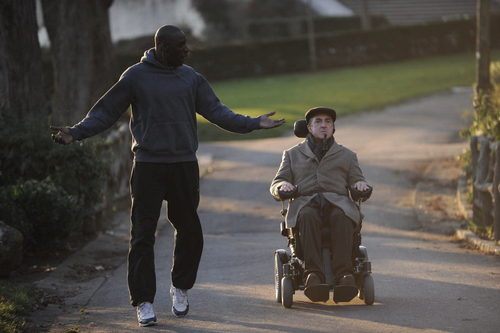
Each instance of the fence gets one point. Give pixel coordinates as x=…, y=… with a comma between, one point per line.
x=486, y=179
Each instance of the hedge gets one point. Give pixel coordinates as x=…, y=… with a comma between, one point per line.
x=286, y=27
x=346, y=48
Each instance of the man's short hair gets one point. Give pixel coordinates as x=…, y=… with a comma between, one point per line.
x=164, y=34
x=320, y=109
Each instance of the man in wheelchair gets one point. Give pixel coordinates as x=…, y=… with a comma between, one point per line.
x=319, y=171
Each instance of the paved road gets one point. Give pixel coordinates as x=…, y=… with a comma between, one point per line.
x=423, y=282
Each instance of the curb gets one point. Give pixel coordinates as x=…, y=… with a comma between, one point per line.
x=483, y=245
x=488, y=247
x=455, y=229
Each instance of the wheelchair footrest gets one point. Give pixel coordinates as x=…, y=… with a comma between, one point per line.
x=344, y=293
x=318, y=293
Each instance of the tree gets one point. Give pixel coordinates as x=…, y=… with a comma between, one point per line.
x=21, y=80
x=275, y=9
x=222, y=20
x=274, y=19
x=82, y=54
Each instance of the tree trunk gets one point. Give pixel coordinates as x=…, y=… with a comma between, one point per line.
x=366, y=23
x=82, y=54
x=21, y=79
x=483, y=46
x=311, y=38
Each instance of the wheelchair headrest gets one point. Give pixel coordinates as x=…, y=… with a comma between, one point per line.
x=300, y=128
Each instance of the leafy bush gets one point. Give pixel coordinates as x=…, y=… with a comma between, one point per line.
x=486, y=114
x=52, y=213
x=485, y=121
x=495, y=72
x=46, y=190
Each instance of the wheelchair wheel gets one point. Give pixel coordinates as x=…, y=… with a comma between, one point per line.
x=367, y=293
x=278, y=274
x=287, y=292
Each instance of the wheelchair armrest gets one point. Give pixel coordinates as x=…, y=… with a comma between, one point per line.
x=288, y=195
x=358, y=195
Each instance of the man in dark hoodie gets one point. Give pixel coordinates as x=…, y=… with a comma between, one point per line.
x=165, y=96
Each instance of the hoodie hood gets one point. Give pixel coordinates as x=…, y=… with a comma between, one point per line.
x=149, y=58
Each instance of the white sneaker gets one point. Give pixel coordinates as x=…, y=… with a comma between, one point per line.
x=180, y=304
x=146, y=315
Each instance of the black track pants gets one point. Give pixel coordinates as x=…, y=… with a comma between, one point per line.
x=150, y=184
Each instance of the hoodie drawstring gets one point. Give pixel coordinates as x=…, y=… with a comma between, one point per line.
x=183, y=79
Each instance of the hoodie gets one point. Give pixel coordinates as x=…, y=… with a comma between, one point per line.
x=164, y=103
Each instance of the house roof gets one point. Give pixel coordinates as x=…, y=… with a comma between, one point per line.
x=329, y=8
x=406, y=12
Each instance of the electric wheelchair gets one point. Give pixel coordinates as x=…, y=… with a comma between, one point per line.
x=288, y=268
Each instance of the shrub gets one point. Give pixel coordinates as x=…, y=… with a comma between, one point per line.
x=52, y=213
x=47, y=190
x=485, y=121
x=486, y=114
x=495, y=72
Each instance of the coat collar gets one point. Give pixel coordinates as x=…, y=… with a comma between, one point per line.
x=306, y=150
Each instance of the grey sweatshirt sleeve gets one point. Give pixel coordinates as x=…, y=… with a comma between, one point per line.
x=209, y=106
x=106, y=111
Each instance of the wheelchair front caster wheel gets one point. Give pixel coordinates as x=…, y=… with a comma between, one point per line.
x=367, y=292
x=278, y=273
x=287, y=292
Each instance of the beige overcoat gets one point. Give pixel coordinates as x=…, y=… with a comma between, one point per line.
x=338, y=169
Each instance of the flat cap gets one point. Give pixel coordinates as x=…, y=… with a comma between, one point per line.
x=321, y=109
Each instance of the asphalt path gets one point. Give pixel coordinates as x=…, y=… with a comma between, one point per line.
x=424, y=282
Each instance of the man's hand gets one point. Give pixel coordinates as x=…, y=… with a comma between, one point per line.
x=266, y=122
x=361, y=186
x=287, y=187
x=64, y=136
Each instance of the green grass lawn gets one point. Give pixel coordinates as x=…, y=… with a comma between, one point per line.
x=346, y=90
